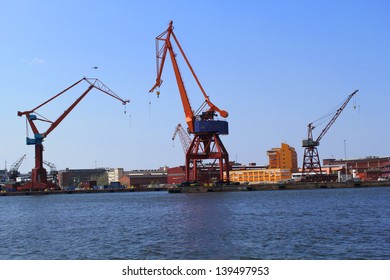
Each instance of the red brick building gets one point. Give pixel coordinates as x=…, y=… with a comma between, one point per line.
x=176, y=175
x=369, y=168
x=144, y=178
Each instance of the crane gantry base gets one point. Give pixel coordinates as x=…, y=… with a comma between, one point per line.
x=207, y=146
x=311, y=162
x=39, y=180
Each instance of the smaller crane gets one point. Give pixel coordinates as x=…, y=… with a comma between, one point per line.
x=311, y=160
x=53, y=172
x=184, y=137
x=13, y=172
x=53, y=168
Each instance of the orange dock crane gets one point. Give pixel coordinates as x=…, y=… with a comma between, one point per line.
x=311, y=167
x=39, y=175
x=206, y=143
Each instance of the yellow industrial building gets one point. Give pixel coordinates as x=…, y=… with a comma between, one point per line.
x=282, y=163
x=260, y=175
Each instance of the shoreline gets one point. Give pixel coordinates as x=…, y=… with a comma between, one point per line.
x=222, y=188
x=281, y=186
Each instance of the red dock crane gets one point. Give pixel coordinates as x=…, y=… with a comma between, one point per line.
x=206, y=143
x=39, y=175
x=311, y=167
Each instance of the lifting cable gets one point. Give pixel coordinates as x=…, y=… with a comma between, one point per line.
x=356, y=102
x=130, y=115
x=27, y=134
x=326, y=117
x=44, y=119
x=150, y=103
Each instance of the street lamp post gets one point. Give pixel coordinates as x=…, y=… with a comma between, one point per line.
x=345, y=159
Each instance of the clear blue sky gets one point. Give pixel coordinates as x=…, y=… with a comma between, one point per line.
x=274, y=66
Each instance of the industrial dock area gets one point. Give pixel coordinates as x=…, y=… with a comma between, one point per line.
x=195, y=140
x=210, y=189
x=207, y=166
x=172, y=180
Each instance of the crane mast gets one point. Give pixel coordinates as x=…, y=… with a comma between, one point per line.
x=206, y=143
x=38, y=174
x=311, y=160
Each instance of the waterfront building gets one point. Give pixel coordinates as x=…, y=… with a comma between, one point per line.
x=3, y=175
x=114, y=174
x=370, y=168
x=76, y=177
x=176, y=175
x=144, y=178
x=282, y=163
x=260, y=175
x=284, y=157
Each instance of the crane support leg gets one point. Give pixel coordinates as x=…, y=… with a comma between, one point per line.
x=207, y=146
x=311, y=162
x=38, y=173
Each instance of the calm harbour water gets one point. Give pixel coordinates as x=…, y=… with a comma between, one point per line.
x=305, y=224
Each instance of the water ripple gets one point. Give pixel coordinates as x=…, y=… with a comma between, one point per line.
x=308, y=224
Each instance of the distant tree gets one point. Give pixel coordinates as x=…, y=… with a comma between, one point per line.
x=101, y=180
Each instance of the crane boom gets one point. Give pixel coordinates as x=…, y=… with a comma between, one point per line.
x=94, y=83
x=52, y=166
x=15, y=166
x=338, y=112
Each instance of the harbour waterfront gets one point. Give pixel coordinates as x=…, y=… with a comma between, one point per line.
x=295, y=224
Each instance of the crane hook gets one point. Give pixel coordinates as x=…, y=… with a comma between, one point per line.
x=158, y=93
